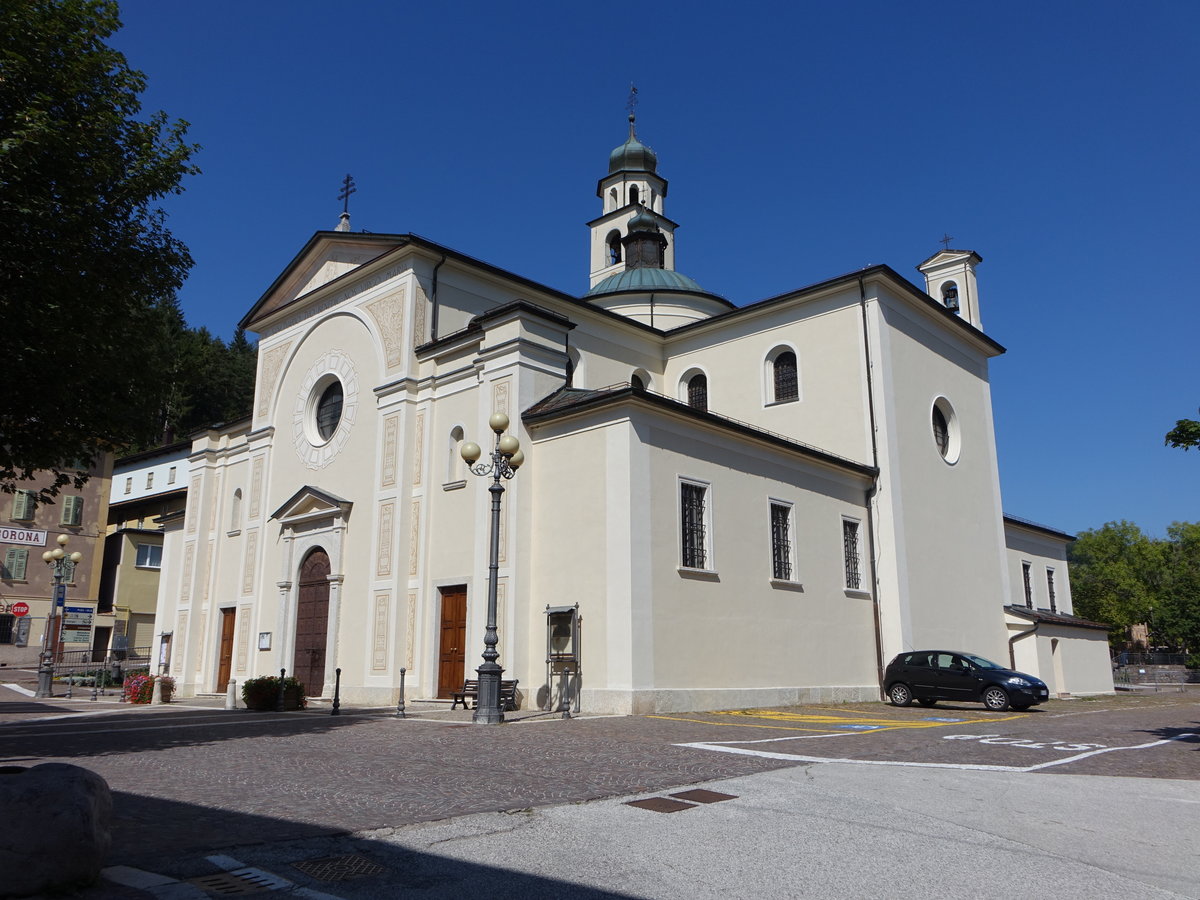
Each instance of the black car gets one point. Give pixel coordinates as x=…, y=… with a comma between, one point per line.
x=928, y=676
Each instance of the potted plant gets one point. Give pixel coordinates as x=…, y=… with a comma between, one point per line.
x=139, y=688
x=262, y=694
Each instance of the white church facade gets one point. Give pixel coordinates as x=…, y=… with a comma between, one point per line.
x=750, y=505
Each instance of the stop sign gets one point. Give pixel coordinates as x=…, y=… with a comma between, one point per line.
x=20, y=608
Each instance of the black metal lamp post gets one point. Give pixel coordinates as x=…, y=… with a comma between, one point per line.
x=58, y=558
x=506, y=458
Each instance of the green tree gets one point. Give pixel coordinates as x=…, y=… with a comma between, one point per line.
x=1185, y=434
x=1177, y=621
x=87, y=265
x=1117, y=576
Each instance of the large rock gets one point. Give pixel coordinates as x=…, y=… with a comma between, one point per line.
x=55, y=828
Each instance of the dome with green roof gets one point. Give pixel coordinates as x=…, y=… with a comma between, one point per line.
x=646, y=279
x=632, y=156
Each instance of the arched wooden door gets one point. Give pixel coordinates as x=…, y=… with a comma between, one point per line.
x=312, y=622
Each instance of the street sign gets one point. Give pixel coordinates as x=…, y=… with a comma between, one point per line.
x=77, y=625
x=21, y=608
x=60, y=594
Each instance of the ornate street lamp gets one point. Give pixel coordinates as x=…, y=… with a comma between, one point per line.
x=506, y=458
x=58, y=558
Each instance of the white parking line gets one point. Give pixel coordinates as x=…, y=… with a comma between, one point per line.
x=970, y=767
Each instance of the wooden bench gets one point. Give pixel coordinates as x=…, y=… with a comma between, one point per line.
x=470, y=688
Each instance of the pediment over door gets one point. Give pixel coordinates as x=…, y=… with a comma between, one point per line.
x=310, y=504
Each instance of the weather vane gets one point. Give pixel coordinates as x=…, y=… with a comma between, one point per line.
x=945, y=241
x=631, y=105
x=348, y=188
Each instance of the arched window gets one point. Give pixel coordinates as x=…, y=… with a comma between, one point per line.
x=633, y=193
x=235, y=511
x=636, y=381
x=574, y=367
x=697, y=392
x=614, y=247
x=947, y=437
x=784, y=377
x=612, y=196
x=950, y=296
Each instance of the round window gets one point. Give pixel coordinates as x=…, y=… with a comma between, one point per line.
x=945, y=430
x=329, y=410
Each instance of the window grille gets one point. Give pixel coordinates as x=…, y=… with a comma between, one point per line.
x=692, y=504
x=1025, y=574
x=850, y=551
x=1050, y=590
x=697, y=392
x=6, y=629
x=941, y=432
x=781, y=542
x=329, y=410
x=787, y=384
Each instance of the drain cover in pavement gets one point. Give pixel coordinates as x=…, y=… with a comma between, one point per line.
x=699, y=795
x=232, y=884
x=660, y=804
x=339, y=868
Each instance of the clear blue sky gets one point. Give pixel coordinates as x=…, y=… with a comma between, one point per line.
x=801, y=141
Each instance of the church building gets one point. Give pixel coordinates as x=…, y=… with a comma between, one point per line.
x=719, y=505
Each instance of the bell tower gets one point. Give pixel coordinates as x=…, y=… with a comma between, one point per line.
x=631, y=185
x=950, y=280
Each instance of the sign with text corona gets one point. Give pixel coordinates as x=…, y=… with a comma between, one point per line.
x=30, y=536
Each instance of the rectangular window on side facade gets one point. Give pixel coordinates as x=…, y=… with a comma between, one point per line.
x=149, y=556
x=6, y=629
x=851, y=555
x=692, y=500
x=23, y=506
x=171, y=475
x=149, y=480
x=1050, y=590
x=72, y=511
x=1026, y=576
x=16, y=563
x=129, y=485
x=781, y=541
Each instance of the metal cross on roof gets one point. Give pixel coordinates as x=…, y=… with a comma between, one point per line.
x=348, y=188
x=631, y=104
x=945, y=241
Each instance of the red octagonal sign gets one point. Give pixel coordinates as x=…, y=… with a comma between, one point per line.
x=20, y=609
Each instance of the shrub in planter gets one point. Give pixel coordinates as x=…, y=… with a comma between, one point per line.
x=262, y=694
x=140, y=688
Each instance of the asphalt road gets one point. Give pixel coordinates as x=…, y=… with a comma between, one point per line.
x=855, y=800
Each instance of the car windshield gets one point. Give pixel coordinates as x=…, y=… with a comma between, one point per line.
x=981, y=662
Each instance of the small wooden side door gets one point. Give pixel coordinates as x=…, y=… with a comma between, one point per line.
x=452, y=655
x=225, y=663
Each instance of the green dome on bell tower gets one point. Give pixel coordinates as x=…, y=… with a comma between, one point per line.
x=632, y=156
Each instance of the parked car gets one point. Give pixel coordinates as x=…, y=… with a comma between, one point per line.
x=928, y=676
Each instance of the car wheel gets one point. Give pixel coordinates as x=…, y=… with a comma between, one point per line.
x=996, y=699
x=927, y=702
x=900, y=695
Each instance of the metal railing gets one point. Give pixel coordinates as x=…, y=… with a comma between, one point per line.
x=100, y=671
x=1132, y=658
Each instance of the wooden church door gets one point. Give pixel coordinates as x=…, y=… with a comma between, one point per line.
x=312, y=622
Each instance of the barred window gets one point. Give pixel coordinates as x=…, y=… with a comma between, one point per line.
x=851, y=554
x=692, y=531
x=6, y=629
x=1025, y=575
x=787, y=383
x=781, y=541
x=941, y=432
x=697, y=392
x=1050, y=590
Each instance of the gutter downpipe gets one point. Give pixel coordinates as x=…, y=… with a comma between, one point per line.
x=874, y=488
x=1012, y=641
x=433, y=315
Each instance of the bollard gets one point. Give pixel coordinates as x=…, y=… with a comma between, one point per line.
x=156, y=692
x=279, y=697
x=95, y=684
x=566, y=692
x=337, y=693
x=231, y=694
x=400, y=704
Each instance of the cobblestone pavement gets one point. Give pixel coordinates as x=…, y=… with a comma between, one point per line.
x=194, y=777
